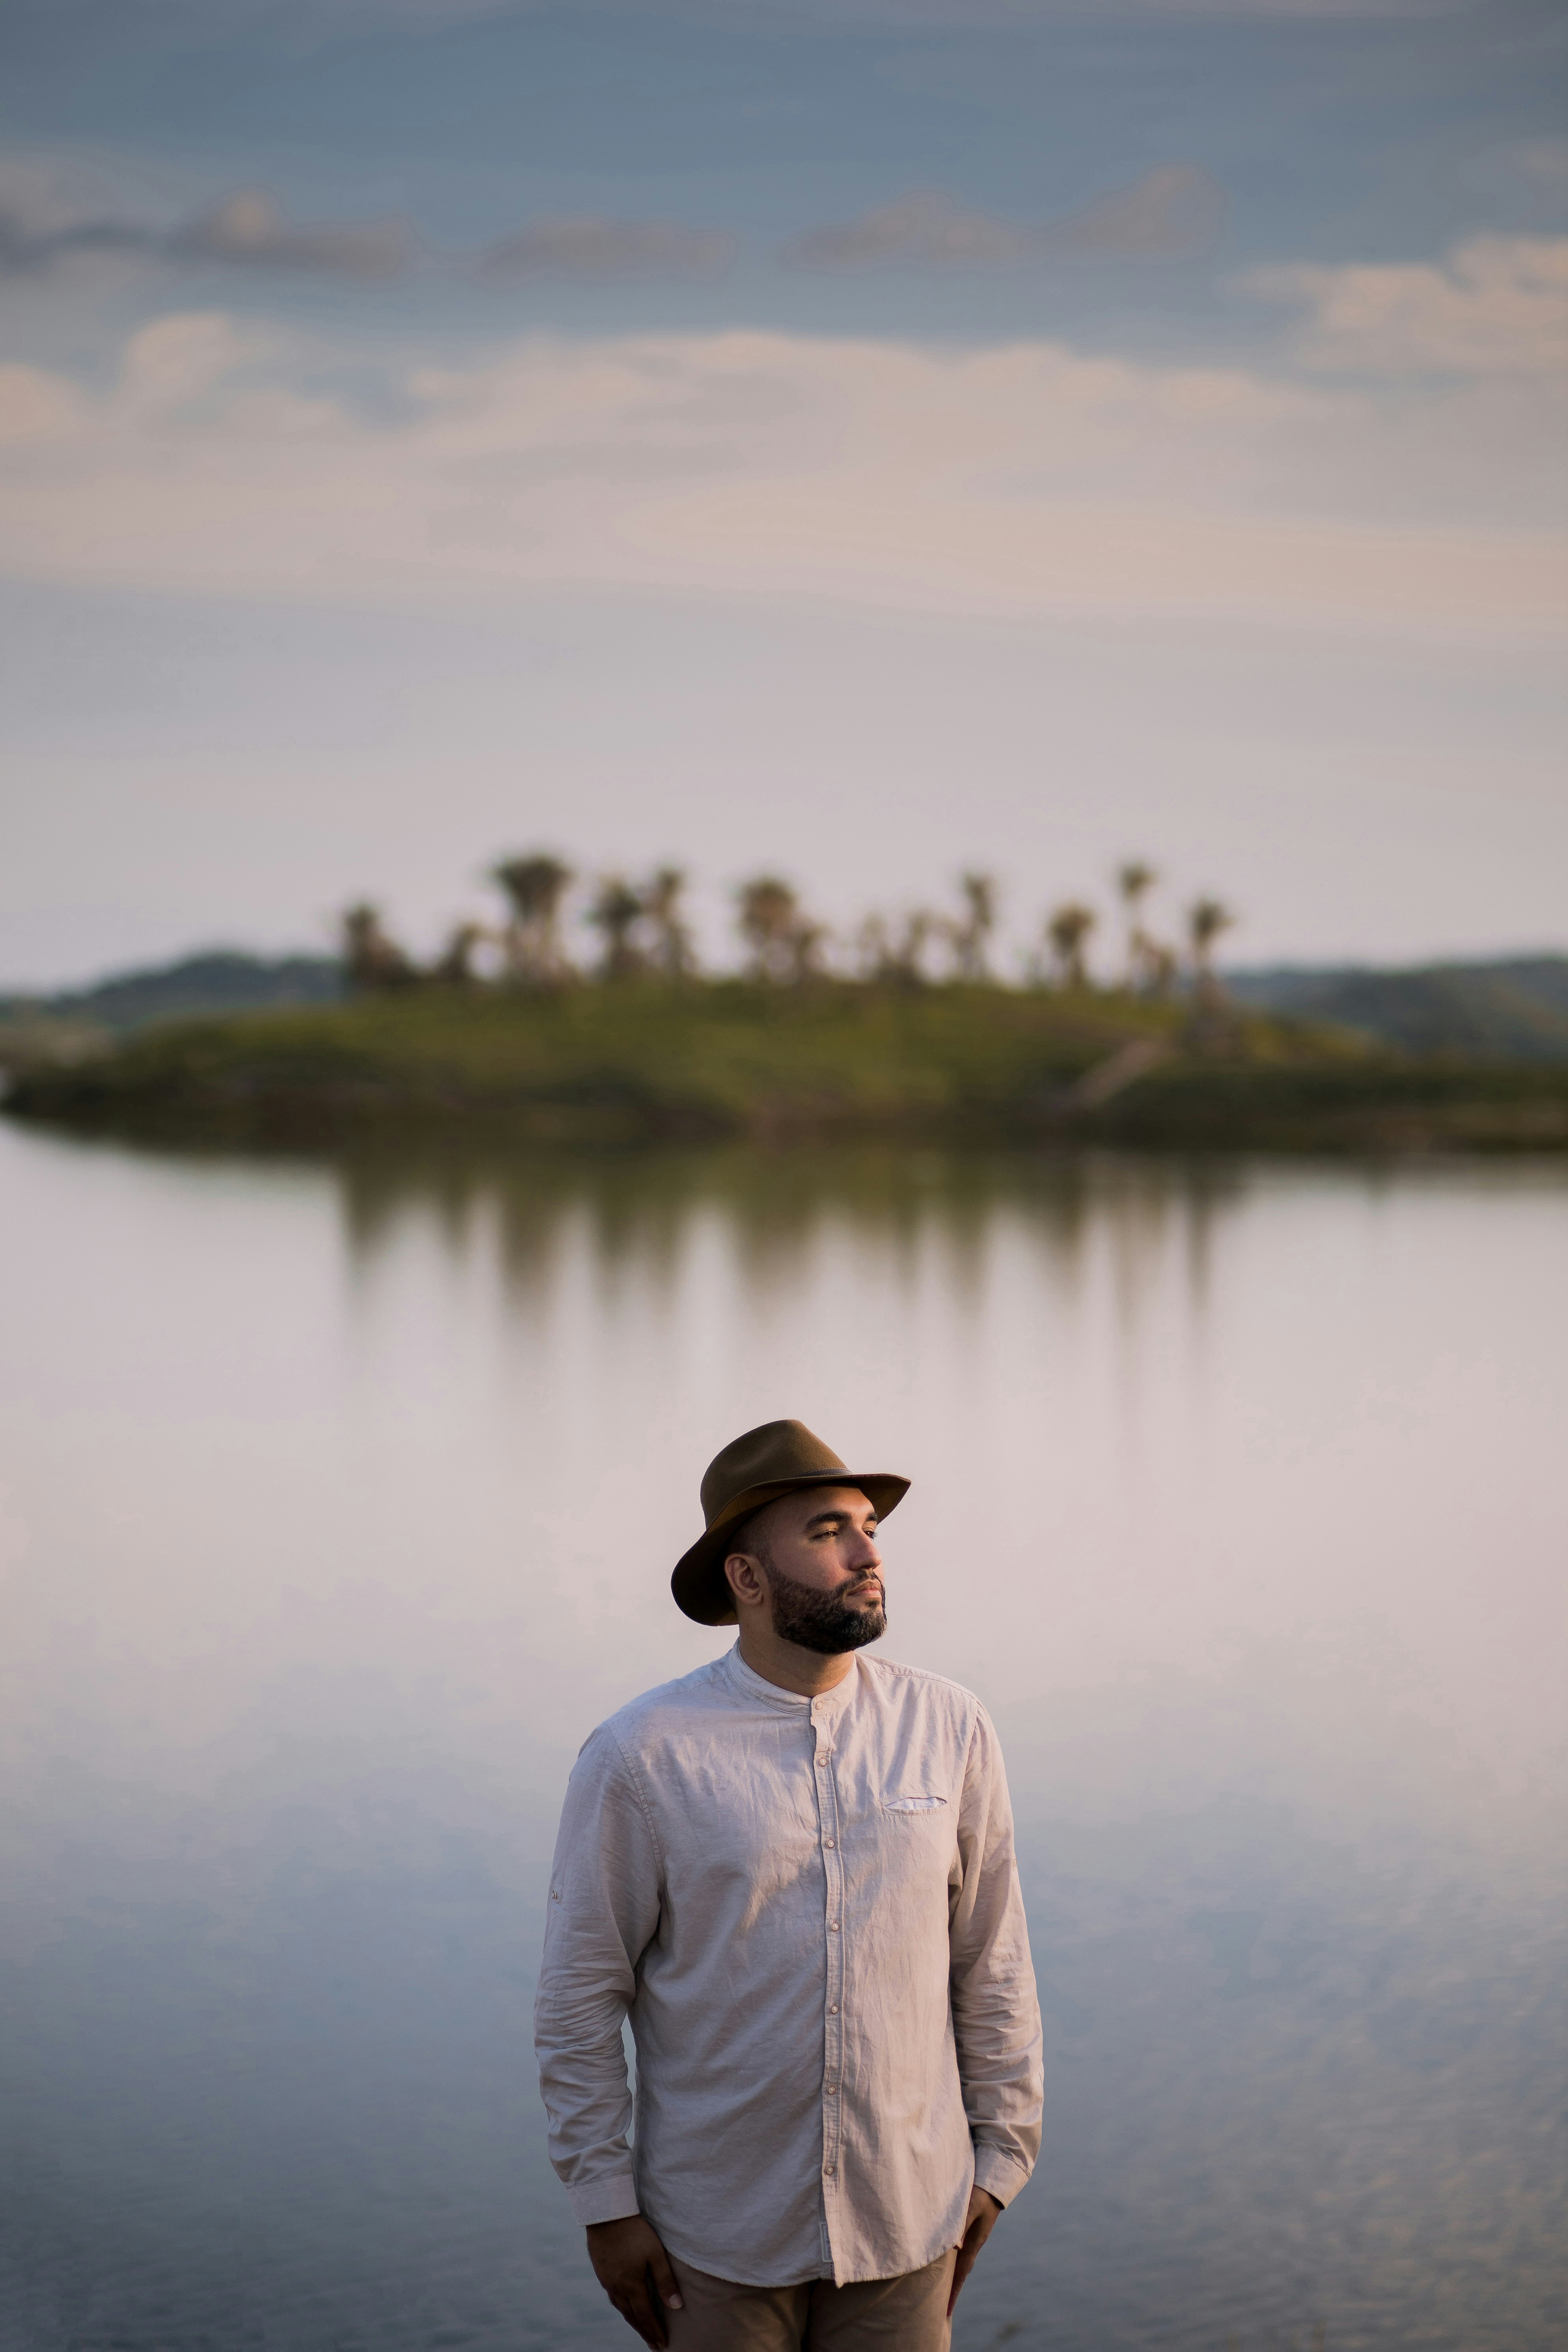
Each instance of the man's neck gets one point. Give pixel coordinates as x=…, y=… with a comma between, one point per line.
x=807, y=1672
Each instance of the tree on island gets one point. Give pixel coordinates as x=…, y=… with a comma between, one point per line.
x=454, y=967
x=615, y=914
x=531, y=940
x=643, y=931
x=1068, y=930
x=1207, y=920
x=674, y=953
x=1135, y=880
x=969, y=938
x=372, y=958
x=786, y=945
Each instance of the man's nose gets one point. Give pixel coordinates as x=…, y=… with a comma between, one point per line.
x=866, y=1554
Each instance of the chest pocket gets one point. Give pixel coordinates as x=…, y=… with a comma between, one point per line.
x=914, y=1804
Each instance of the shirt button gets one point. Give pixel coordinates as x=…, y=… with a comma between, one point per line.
x=830, y=2088
x=833, y=2009
x=834, y=1924
x=827, y=2172
x=827, y=1842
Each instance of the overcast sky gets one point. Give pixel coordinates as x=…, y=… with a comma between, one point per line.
x=864, y=440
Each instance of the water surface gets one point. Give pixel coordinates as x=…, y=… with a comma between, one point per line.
x=338, y=1501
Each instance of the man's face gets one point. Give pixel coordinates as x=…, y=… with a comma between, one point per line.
x=822, y=1568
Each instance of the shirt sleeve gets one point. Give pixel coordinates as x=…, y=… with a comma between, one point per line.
x=602, y=1912
x=995, y=2013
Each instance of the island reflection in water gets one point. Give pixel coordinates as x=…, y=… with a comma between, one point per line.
x=339, y=1502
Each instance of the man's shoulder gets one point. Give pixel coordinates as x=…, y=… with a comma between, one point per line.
x=663, y=1708
x=894, y=1682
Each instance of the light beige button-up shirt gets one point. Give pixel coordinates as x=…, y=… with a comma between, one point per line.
x=810, y=1909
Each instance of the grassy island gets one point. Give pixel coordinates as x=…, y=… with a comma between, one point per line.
x=647, y=1060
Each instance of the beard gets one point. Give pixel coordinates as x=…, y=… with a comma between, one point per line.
x=823, y=1622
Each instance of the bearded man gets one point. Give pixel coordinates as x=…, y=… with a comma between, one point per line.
x=793, y=1871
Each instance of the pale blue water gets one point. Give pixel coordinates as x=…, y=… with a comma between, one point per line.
x=337, y=1504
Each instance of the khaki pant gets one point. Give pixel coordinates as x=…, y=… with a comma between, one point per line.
x=897, y=2314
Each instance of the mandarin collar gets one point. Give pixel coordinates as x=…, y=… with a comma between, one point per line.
x=757, y=1686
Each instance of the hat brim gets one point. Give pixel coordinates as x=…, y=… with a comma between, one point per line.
x=699, y=1582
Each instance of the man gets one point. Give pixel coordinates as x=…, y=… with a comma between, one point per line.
x=793, y=1868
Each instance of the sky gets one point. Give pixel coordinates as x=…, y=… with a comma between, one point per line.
x=864, y=441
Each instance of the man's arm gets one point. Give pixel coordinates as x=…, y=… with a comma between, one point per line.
x=996, y=2015
x=603, y=1914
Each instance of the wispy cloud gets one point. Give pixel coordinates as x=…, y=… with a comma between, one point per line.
x=247, y=230
x=1170, y=214
x=250, y=229
x=924, y=230
x=590, y=246
x=1027, y=479
x=1497, y=307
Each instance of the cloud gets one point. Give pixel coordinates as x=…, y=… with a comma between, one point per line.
x=925, y=230
x=1497, y=307
x=26, y=249
x=247, y=230
x=1021, y=479
x=1170, y=213
x=592, y=248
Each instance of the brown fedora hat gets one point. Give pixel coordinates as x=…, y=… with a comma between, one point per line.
x=756, y=1469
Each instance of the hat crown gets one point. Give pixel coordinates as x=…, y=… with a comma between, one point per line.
x=778, y=1449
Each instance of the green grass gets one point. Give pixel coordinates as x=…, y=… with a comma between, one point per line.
x=730, y=1059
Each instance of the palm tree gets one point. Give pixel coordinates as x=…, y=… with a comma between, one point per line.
x=372, y=959
x=808, y=945
x=899, y=962
x=616, y=913
x=770, y=919
x=1135, y=880
x=1067, y=931
x=455, y=967
x=908, y=960
x=969, y=938
x=535, y=885
x=1207, y=919
x=674, y=953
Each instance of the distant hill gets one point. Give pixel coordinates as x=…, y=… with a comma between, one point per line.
x=1514, y=1011
x=220, y=980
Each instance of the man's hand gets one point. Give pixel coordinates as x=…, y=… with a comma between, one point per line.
x=982, y=2218
x=634, y=2270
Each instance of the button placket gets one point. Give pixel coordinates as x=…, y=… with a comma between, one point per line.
x=833, y=2022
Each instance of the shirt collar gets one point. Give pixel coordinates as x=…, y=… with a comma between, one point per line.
x=757, y=1687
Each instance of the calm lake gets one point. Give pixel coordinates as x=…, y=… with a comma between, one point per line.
x=337, y=1501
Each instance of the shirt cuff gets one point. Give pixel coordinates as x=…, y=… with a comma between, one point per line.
x=1000, y=2175
x=613, y=2199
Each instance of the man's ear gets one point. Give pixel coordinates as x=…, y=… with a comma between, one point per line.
x=743, y=1574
